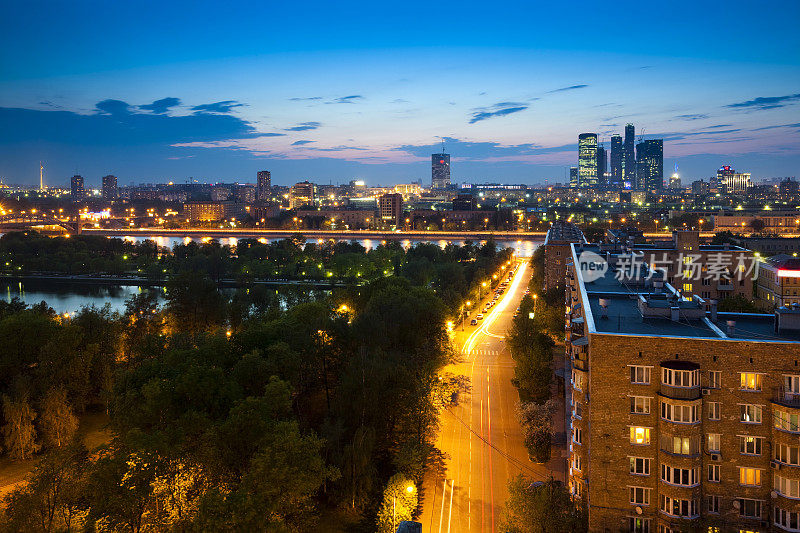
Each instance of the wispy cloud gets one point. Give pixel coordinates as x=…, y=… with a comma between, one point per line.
x=766, y=102
x=570, y=88
x=795, y=125
x=692, y=117
x=352, y=99
x=499, y=109
x=161, y=106
x=225, y=106
x=305, y=98
x=301, y=143
x=305, y=126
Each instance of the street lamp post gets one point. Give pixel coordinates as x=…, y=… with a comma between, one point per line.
x=409, y=489
x=463, y=311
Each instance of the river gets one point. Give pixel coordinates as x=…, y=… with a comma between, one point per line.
x=69, y=297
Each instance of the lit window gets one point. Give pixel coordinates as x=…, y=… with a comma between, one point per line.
x=786, y=421
x=750, y=445
x=750, y=413
x=750, y=381
x=713, y=442
x=750, y=476
x=637, y=524
x=640, y=435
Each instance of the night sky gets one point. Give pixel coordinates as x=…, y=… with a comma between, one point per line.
x=333, y=91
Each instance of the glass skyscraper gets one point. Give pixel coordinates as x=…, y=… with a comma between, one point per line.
x=587, y=159
x=615, y=180
x=440, y=171
x=650, y=164
x=602, y=166
x=629, y=157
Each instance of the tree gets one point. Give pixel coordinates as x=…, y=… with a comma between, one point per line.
x=757, y=224
x=19, y=435
x=541, y=507
x=56, y=422
x=537, y=427
x=400, y=500
x=54, y=497
x=193, y=302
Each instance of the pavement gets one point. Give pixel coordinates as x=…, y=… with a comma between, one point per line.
x=481, y=436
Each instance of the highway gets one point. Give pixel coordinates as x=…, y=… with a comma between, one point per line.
x=481, y=436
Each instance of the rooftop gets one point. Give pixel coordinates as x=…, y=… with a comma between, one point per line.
x=645, y=305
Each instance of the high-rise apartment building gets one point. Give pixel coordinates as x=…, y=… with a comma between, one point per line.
x=629, y=157
x=615, y=179
x=731, y=181
x=263, y=184
x=440, y=171
x=110, y=191
x=77, y=191
x=602, y=165
x=573, y=177
x=557, y=251
x=301, y=194
x=680, y=416
x=390, y=208
x=587, y=159
x=650, y=165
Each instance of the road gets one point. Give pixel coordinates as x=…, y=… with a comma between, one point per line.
x=481, y=436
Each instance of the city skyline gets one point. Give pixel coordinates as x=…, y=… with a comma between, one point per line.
x=320, y=101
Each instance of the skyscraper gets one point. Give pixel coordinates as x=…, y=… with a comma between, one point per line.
x=77, y=192
x=601, y=165
x=616, y=161
x=573, y=177
x=730, y=181
x=587, y=159
x=263, y=184
x=110, y=188
x=629, y=157
x=650, y=164
x=440, y=171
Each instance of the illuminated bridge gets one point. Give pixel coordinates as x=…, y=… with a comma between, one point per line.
x=22, y=221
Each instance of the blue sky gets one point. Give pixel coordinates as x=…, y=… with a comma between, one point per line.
x=153, y=91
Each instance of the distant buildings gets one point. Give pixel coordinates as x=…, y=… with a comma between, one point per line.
x=731, y=181
x=263, y=185
x=573, y=177
x=602, y=165
x=587, y=160
x=650, y=165
x=301, y=194
x=615, y=179
x=675, y=181
x=440, y=171
x=629, y=158
x=390, y=208
x=77, y=191
x=211, y=211
x=110, y=191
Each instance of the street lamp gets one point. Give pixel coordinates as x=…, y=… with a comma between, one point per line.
x=463, y=311
x=410, y=490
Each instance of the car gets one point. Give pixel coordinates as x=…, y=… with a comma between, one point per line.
x=473, y=322
x=479, y=317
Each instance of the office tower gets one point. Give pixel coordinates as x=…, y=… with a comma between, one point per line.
x=679, y=415
x=731, y=181
x=77, y=192
x=629, y=157
x=390, y=207
x=601, y=165
x=263, y=184
x=440, y=171
x=301, y=194
x=616, y=161
x=675, y=181
x=110, y=188
x=650, y=165
x=587, y=159
x=573, y=177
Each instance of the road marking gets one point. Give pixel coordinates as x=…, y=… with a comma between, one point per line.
x=444, y=497
x=489, y=434
x=450, y=513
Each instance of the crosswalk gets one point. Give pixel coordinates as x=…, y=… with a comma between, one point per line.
x=484, y=352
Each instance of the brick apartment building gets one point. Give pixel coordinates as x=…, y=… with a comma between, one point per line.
x=683, y=418
x=557, y=251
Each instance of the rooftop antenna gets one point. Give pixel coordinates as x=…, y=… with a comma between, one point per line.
x=41, y=176
x=442, y=144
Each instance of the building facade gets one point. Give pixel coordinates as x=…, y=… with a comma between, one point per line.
x=77, y=191
x=110, y=191
x=557, y=251
x=602, y=165
x=587, y=159
x=629, y=157
x=263, y=185
x=650, y=165
x=573, y=177
x=731, y=181
x=390, y=208
x=440, y=171
x=615, y=160
x=301, y=194
x=682, y=418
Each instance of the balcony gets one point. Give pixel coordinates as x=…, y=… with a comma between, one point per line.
x=680, y=393
x=785, y=397
x=580, y=364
